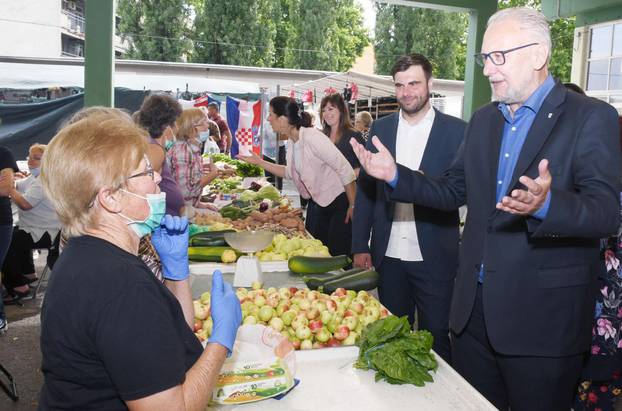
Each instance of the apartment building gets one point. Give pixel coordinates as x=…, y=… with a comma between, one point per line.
x=45, y=28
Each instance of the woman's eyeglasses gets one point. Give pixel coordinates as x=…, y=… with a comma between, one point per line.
x=148, y=172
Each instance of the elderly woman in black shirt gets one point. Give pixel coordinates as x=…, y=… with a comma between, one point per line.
x=113, y=337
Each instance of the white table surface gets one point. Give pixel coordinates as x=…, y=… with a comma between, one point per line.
x=328, y=380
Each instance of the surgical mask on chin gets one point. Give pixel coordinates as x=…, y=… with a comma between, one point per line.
x=157, y=209
x=203, y=136
x=168, y=144
x=35, y=171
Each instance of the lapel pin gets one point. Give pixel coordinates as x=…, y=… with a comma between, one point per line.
x=550, y=115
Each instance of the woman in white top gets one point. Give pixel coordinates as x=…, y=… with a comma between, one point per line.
x=38, y=227
x=319, y=171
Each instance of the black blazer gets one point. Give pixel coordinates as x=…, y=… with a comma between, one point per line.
x=437, y=230
x=539, y=284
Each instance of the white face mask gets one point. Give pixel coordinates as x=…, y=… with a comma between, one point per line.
x=203, y=136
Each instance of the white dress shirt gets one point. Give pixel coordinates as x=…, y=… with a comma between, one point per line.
x=410, y=144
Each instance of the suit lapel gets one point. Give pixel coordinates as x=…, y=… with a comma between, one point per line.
x=540, y=130
x=491, y=148
x=390, y=138
x=433, y=147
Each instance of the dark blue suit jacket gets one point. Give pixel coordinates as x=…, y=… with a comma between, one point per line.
x=437, y=230
x=540, y=278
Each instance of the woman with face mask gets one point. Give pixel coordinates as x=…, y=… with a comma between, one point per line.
x=37, y=227
x=112, y=335
x=184, y=158
x=157, y=115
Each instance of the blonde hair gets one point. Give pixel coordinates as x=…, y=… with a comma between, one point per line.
x=365, y=118
x=96, y=110
x=37, y=147
x=99, y=150
x=189, y=118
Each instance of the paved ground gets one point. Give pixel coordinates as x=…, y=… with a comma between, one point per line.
x=20, y=353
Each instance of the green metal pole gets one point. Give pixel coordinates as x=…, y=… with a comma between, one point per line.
x=476, y=86
x=99, y=53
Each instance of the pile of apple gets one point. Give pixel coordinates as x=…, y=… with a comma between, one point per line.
x=309, y=319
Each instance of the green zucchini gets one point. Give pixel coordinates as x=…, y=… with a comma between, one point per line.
x=210, y=254
x=209, y=238
x=364, y=280
x=300, y=264
x=314, y=282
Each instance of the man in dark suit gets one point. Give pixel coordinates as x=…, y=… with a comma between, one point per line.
x=540, y=171
x=414, y=248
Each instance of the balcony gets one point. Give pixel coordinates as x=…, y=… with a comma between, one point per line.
x=72, y=23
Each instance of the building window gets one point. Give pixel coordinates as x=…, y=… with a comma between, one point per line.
x=604, y=69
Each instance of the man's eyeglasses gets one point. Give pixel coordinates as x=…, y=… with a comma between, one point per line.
x=148, y=172
x=497, y=57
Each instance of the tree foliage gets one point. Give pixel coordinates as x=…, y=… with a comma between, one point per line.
x=156, y=29
x=235, y=32
x=441, y=36
x=438, y=35
x=308, y=34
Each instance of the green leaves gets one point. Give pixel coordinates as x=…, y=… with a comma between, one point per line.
x=307, y=34
x=438, y=35
x=156, y=29
x=398, y=355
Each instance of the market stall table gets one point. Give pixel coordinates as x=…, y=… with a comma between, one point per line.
x=328, y=380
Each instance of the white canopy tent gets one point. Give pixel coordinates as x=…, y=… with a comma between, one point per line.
x=369, y=85
x=33, y=76
x=374, y=86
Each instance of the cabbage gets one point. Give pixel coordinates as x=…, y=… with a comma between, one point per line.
x=248, y=195
x=268, y=192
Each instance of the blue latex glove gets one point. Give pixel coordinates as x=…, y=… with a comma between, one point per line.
x=171, y=242
x=226, y=312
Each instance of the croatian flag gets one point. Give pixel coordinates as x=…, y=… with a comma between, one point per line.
x=244, y=120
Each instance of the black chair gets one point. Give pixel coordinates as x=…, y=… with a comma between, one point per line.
x=11, y=388
x=51, y=259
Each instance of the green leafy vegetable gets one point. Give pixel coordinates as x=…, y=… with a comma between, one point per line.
x=243, y=169
x=398, y=355
x=236, y=213
x=248, y=170
x=268, y=192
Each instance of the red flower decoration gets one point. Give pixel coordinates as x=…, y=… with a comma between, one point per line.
x=355, y=92
x=593, y=398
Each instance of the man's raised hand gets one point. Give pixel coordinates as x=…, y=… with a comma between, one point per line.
x=380, y=165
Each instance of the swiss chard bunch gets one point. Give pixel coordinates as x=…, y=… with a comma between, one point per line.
x=397, y=354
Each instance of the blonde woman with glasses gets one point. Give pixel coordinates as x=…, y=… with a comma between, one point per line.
x=112, y=335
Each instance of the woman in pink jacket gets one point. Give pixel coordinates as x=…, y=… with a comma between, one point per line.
x=320, y=172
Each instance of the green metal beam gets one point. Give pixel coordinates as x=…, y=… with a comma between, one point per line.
x=554, y=9
x=99, y=53
x=599, y=16
x=476, y=86
x=461, y=6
